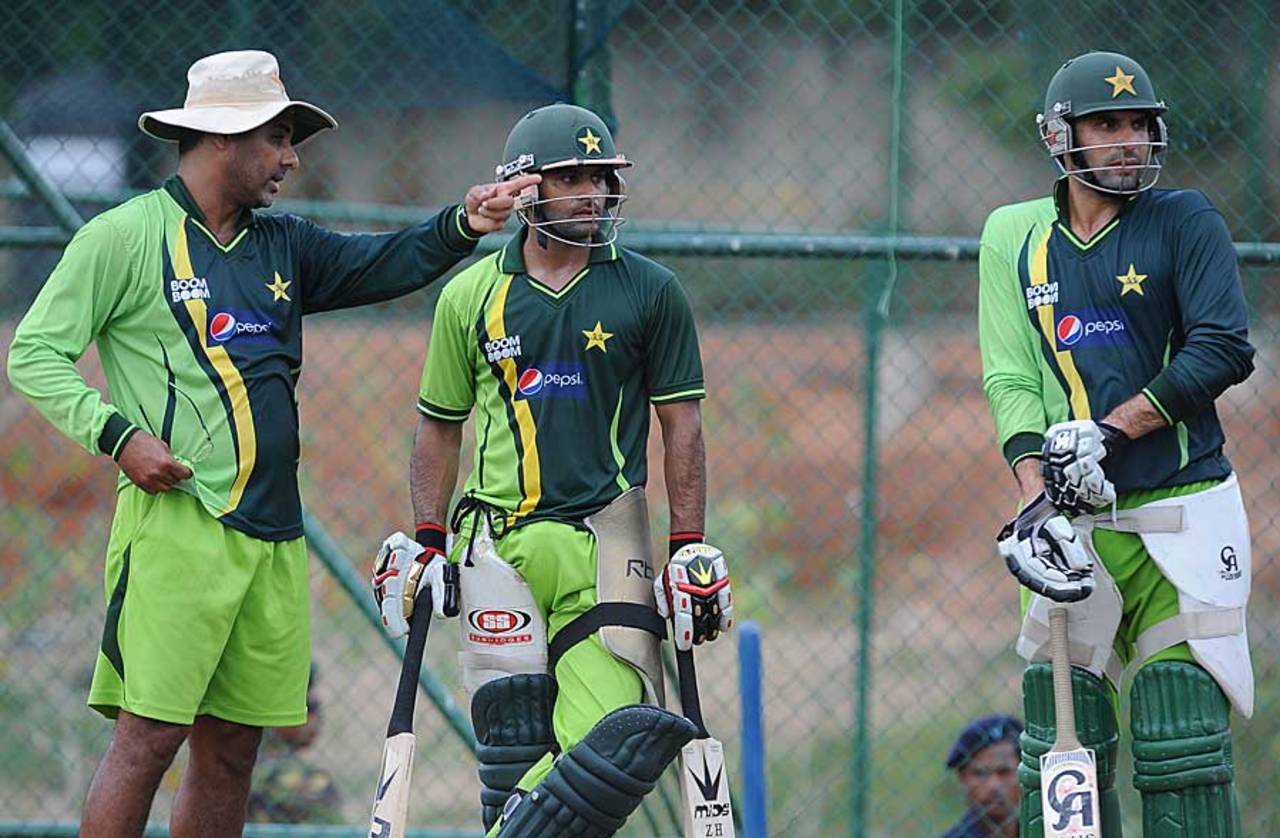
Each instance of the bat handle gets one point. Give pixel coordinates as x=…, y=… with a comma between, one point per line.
x=407, y=688
x=689, y=700
x=1064, y=704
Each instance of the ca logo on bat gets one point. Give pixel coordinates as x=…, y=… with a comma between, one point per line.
x=1069, y=800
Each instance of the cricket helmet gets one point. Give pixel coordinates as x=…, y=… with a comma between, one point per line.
x=563, y=136
x=1094, y=83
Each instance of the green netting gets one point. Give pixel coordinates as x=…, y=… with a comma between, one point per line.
x=817, y=171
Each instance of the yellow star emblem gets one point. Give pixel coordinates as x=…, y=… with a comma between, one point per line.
x=1132, y=281
x=278, y=289
x=590, y=142
x=597, y=337
x=1121, y=82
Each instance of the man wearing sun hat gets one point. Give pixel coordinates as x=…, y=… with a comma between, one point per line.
x=195, y=302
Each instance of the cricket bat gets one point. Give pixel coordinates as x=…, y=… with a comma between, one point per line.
x=1068, y=773
x=704, y=783
x=391, y=796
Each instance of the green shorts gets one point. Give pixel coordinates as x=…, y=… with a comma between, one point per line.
x=201, y=619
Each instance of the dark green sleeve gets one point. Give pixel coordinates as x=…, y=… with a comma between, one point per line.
x=1213, y=351
x=341, y=270
x=674, y=369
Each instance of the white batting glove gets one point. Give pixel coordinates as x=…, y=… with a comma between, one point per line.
x=693, y=592
x=1071, y=463
x=403, y=569
x=1046, y=554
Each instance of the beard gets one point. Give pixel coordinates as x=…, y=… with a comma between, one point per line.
x=577, y=229
x=1117, y=173
x=1126, y=180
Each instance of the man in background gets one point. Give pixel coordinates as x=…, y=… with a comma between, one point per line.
x=985, y=759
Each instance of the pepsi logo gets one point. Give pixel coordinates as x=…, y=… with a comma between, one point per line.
x=222, y=327
x=1095, y=327
x=530, y=382
x=552, y=380
x=1070, y=329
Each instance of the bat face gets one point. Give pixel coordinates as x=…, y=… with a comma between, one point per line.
x=1069, y=794
x=391, y=798
x=705, y=788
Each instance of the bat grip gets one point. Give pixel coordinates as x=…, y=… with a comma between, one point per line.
x=1064, y=704
x=689, y=700
x=407, y=688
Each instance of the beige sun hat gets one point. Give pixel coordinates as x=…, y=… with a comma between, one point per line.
x=234, y=92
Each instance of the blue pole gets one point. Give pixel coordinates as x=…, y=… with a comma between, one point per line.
x=751, y=678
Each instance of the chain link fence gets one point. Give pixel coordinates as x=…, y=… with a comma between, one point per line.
x=816, y=171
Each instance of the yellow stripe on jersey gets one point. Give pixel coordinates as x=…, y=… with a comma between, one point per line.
x=241, y=415
x=1079, y=397
x=530, y=466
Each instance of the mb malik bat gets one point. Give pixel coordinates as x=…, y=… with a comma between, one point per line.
x=391, y=797
x=1068, y=773
x=704, y=785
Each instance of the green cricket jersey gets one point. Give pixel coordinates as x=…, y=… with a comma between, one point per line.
x=1151, y=304
x=561, y=381
x=201, y=343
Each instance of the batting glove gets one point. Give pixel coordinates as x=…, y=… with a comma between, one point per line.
x=1045, y=553
x=1071, y=463
x=403, y=569
x=693, y=592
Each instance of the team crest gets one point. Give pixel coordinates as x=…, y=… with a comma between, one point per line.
x=597, y=337
x=590, y=142
x=279, y=288
x=1121, y=82
x=1132, y=281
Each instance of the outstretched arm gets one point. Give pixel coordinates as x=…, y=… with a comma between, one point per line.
x=341, y=270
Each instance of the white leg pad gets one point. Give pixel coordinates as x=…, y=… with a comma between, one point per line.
x=503, y=632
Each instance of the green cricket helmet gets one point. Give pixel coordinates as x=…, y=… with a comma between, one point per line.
x=564, y=136
x=1094, y=83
